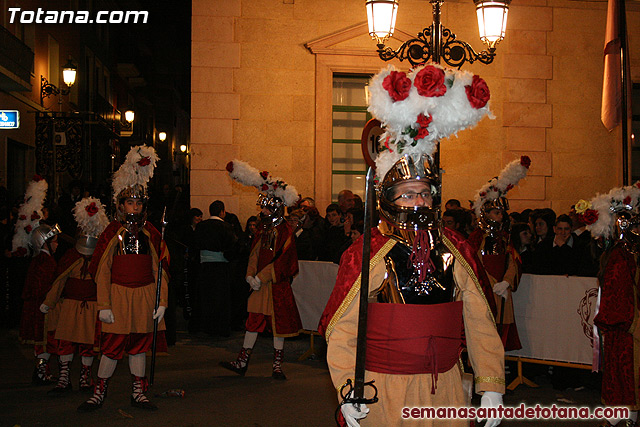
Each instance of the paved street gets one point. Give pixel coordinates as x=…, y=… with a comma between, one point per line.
x=214, y=397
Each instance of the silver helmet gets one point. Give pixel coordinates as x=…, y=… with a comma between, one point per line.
x=41, y=235
x=275, y=206
x=487, y=224
x=411, y=218
x=86, y=245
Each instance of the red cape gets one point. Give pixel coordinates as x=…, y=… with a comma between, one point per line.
x=351, y=266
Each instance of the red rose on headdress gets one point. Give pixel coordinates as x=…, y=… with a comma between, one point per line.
x=483, y=193
x=264, y=187
x=35, y=216
x=144, y=161
x=423, y=121
x=430, y=82
x=478, y=93
x=590, y=216
x=627, y=200
x=397, y=84
x=28, y=228
x=264, y=174
x=509, y=187
x=525, y=161
x=22, y=217
x=275, y=186
x=37, y=178
x=91, y=209
x=230, y=167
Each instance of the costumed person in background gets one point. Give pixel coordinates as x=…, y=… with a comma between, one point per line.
x=125, y=268
x=426, y=283
x=74, y=291
x=41, y=241
x=491, y=242
x=614, y=217
x=273, y=262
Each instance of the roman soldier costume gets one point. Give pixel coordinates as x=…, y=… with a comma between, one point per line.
x=613, y=217
x=74, y=291
x=427, y=286
x=125, y=268
x=34, y=238
x=491, y=242
x=273, y=262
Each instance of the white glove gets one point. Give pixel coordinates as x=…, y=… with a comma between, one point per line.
x=501, y=289
x=106, y=316
x=256, y=284
x=352, y=413
x=491, y=399
x=159, y=313
x=249, y=280
x=44, y=308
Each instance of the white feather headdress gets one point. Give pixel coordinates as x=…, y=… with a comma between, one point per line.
x=136, y=170
x=600, y=214
x=246, y=174
x=420, y=108
x=29, y=215
x=90, y=216
x=498, y=187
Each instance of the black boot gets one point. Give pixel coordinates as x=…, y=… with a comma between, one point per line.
x=99, y=394
x=86, y=380
x=41, y=373
x=277, y=365
x=240, y=365
x=64, y=384
x=138, y=399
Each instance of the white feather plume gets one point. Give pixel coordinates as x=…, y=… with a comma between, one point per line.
x=246, y=174
x=90, y=215
x=449, y=114
x=498, y=187
x=29, y=214
x=607, y=205
x=137, y=169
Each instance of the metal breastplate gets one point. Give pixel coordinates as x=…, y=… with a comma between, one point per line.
x=493, y=245
x=401, y=285
x=130, y=243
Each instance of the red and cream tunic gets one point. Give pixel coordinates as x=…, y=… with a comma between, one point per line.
x=274, y=261
x=126, y=284
x=501, y=267
x=74, y=291
x=426, y=377
x=617, y=320
x=34, y=324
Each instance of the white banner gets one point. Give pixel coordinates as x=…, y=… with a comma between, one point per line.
x=554, y=316
x=312, y=288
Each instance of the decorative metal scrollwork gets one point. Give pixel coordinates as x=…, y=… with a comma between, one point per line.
x=421, y=50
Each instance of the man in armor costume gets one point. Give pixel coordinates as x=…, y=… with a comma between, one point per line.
x=426, y=284
x=491, y=242
x=273, y=262
x=614, y=217
x=39, y=240
x=125, y=268
x=74, y=291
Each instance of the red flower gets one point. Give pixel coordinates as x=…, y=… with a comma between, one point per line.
x=525, y=161
x=37, y=178
x=34, y=216
x=478, y=93
x=423, y=121
x=91, y=209
x=386, y=144
x=509, y=187
x=483, y=193
x=590, y=216
x=275, y=186
x=638, y=184
x=398, y=85
x=264, y=174
x=144, y=161
x=264, y=187
x=22, y=217
x=627, y=200
x=28, y=228
x=430, y=82
x=230, y=167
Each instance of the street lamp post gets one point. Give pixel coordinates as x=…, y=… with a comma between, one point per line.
x=437, y=43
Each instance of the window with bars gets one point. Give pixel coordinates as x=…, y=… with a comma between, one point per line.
x=349, y=118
